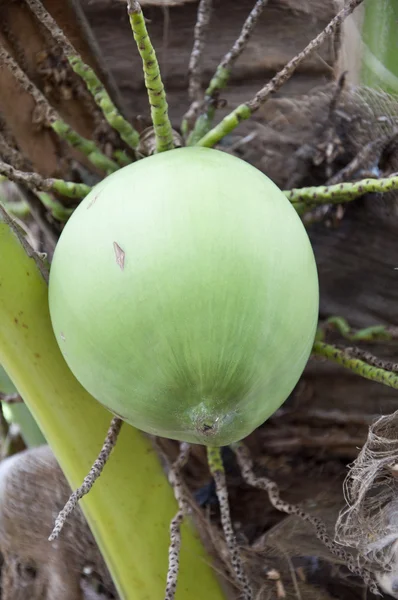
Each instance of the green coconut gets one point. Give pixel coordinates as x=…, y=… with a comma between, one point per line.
x=184, y=295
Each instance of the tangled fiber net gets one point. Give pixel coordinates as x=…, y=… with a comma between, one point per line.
x=369, y=521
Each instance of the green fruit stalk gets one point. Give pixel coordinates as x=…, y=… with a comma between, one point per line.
x=184, y=295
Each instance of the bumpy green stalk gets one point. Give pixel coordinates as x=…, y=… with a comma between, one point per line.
x=226, y=126
x=94, y=85
x=130, y=507
x=103, y=100
x=53, y=119
x=340, y=192
x=59, y=212
x=122, y=158
x=379, y=48
x=153, y=81
x=356, y=365
x=85, y=146
x=368, y=334
x=36, y=182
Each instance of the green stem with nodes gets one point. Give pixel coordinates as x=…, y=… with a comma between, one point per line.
x=122, y=158
x=128, y=134
x=128, y=509
x=245, y=111
x=85, y=146
x=368, y=334
x=221, y=76
x=307, y=198
x=53, y=119
x=101, y=97
x=59, y=212
x=153, y=81
x=35, y=182
x=355, y=365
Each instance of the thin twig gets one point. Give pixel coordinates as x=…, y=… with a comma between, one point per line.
x=220, y=78
x=217, y=470
x=195, y=70
x=89, y=480
x=341, y=192
x=356, y=365
x=153, y=80
x=11, y=155
x=176, y=482
x=101, y=97
x=365, y=161
x=52, y=119
x=200, y=31
x=244, y=111
x=35, y=182
x=372, y=360
x=246, y=466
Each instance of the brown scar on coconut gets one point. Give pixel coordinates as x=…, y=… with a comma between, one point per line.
x=32, y=490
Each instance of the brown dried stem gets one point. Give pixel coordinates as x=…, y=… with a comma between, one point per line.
x=194, y=69
x=246, y=467
x=89, y=480
x=176, y=482
x=216, y=466
x=244, y=111
x=36, y=182
x=221, y=76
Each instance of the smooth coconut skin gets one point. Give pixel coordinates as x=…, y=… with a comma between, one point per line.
x=184, y=295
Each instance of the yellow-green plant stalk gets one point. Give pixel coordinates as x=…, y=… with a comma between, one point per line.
x=132, y=504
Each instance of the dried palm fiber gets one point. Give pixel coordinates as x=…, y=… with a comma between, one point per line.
x=307, y=140
x=369, y=521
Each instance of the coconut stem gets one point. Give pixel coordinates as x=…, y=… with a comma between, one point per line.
x=153, y=80
x=306, y=198
x=94, y=85
x=244, y=111
x=216, y=466
x=35, y=182
x=221, y=76
x=194, y=68
x=89, y=480
x=246, y=466
x=176, y=482
x=357, y=361
x=368, y=334
x=51, y=118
